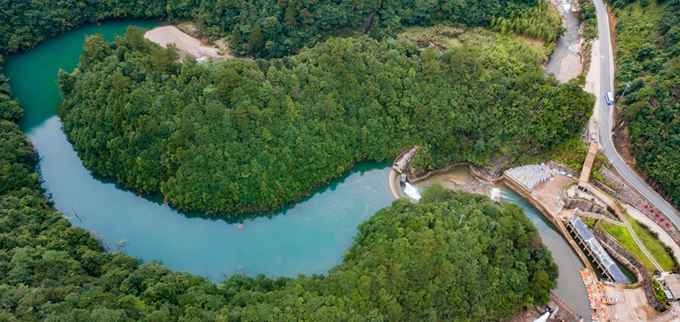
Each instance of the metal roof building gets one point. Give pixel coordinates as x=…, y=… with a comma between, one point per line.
x=595, y=250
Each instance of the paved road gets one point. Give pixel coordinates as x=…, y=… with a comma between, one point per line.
x=605, y=132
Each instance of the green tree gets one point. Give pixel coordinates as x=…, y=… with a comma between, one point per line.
x=256, y=40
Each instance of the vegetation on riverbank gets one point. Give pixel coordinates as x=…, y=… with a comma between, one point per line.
x=260, y=28
x=542, y=21
x=243, y=136
x=406, y=264
x=648, y=71
x=9, y=108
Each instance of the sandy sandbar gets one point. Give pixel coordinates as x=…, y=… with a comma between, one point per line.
x=186, y=44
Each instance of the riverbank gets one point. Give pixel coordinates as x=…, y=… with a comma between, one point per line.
x=566, y=62
x=570, y=288
x=309, y=237
x=186, y=44
x=458, y=179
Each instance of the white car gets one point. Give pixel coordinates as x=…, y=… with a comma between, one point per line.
x=609, y=98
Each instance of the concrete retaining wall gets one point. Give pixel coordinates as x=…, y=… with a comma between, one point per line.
x=553, y=218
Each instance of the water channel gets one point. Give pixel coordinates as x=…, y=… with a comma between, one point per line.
x=570, y=287
x=307, y=238
x=565, y=62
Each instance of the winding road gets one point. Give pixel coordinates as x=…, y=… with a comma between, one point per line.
x=606, y=80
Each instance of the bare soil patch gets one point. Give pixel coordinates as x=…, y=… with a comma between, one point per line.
x=622, y=140
x=186, y=44
x=457, y=179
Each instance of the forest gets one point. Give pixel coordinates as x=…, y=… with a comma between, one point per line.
x=444, y=259
x=539, y=22
x=648, y=79
x=263, y=28
x=9, y=108
x=244, y=136
x=52, y=271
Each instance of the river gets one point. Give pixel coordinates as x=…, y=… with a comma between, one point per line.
x=570, y=287
x=307, y=238
x=565, y=62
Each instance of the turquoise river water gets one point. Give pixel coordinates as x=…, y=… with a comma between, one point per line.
x=307, y=238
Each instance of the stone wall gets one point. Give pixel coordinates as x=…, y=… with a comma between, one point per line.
x=588, y=206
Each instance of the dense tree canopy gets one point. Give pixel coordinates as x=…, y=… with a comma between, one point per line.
x=263, y=28
x=9, y=108
x=242, y=135
x=445, y=259
x=648, y=61
x=268, y=28
x=540, y=22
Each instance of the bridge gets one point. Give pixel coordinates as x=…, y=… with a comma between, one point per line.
x=588, y=164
